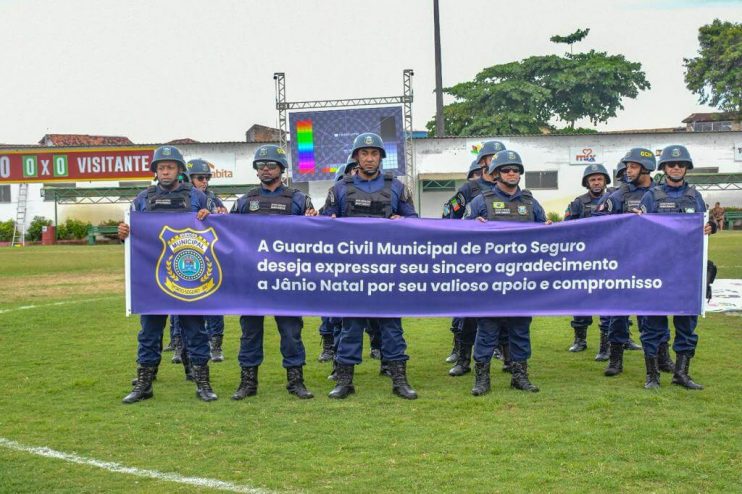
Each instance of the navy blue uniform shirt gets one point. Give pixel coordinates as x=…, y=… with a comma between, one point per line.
x=299, y=202
x=649, y=205
x=401, y=200
x=477, y=207
x=198, y=199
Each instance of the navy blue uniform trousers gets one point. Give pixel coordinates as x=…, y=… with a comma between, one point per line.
x=251, y=342
x=350, y=344
x=488, y=336
x=195, y=337
x=657, y=330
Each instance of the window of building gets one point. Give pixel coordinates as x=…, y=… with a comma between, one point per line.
x=712, y=126
x=58, y=185
x=4, y=193
x=542, y=180
x=439, y=185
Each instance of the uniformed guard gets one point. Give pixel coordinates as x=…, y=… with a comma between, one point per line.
x=330, y=326
x=505, y=202
x=595, y=179
x=640, y=162
x=169, y=196
x=675, y=196
x=478, y=181
x=272, y=197
x=199, y=174
x=370, y=194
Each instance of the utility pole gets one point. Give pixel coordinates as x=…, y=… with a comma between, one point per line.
x=439, y=126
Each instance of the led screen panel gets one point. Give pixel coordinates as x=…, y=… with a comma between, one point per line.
x=322, y=140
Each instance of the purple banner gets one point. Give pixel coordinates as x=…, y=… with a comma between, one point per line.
x=288, y=265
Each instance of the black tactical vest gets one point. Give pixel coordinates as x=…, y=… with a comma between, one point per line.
x=211, y=203
x=683, y=204
x=176, y=201
x=631, y=199
x=499, y=209
x=368, y=204
x=259, y=204
x=588, y=206
x=474, y=190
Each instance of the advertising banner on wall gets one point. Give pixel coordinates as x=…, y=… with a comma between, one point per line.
x=75, y=164
x=586, y=155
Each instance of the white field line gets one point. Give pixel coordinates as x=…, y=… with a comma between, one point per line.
x=64, y=302
x=138, y=472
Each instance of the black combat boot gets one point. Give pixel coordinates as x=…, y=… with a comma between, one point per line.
x=187, y=368
x=631, y=344
x=216, y=348
x=334, y=374
x=653, y=373
x=603, y=352
x=454, y=356
x=344, y=386
x=374, y=341
x=248, y=383
x=520, y=378
x=143, y=386
x=507, y=360
x=295, y=386
x=463, y=364
x=481, y=378
x=203, y=385
x=384, y=369
x=400, y=386
x=615, y=362
x=664, y=361
x=154, y=377
x=681, y=376
x=580, y=343
x=177, y=349
x=328, y=350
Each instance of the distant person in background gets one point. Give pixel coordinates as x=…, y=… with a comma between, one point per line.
x=718, y=214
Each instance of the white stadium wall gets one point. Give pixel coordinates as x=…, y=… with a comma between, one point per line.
x=447, y=158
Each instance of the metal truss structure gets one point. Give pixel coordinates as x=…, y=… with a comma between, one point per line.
x=284, y=106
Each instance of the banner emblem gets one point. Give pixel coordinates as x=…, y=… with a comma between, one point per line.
x=188, y=268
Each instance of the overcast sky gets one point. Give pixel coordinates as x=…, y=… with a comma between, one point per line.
x=160, y=70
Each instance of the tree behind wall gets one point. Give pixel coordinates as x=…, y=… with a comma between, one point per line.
x=715, y=75
x=524, y=97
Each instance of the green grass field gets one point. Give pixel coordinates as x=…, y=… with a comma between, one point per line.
x=67, y=366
